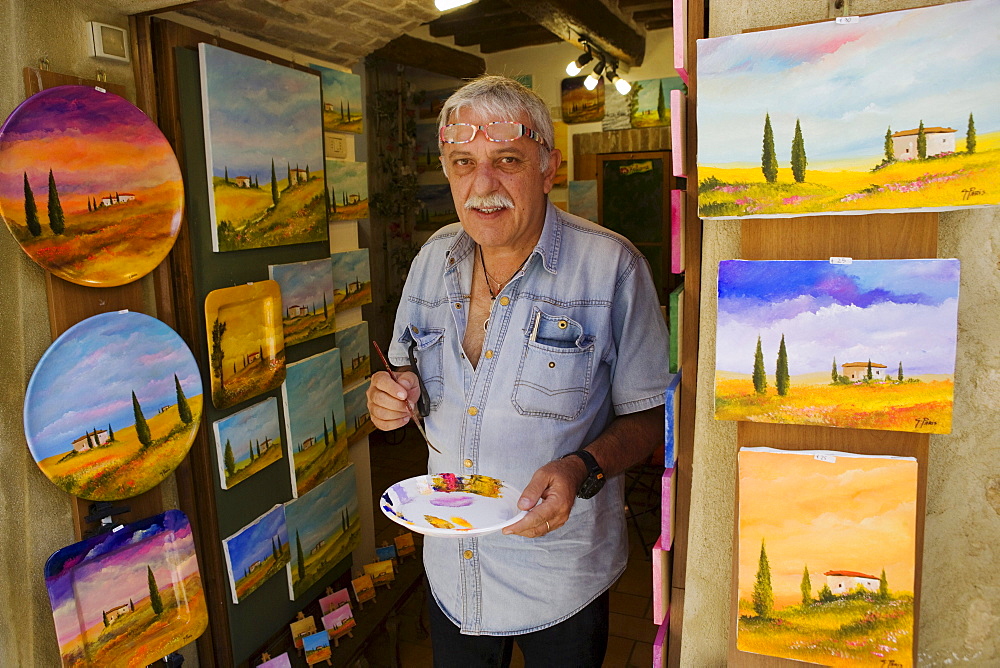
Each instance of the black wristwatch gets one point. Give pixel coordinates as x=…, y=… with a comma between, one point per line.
x=594, y=481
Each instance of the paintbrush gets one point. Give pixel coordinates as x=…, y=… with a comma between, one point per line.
x=413, y=413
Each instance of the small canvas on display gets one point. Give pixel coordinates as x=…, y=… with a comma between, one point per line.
x=280, y=661
x=328, y=604
x=363, y=588
x=317, y=647
x=382, y=572
x=347, y=189
x=652, y=101
x=307, y=310
x=678, y=208
x=560, y=133
x=404, y=544
x=247, y=442
x=342, y=102
x=678, y=132
x=617, y=112
x=352, y=279
x=676, y=326
x=301, y=628
x=256, y=552
x=355, y=359
x=661, y=581
x=668, y=505
x=672, y=412
x=385, y=552
x=580, y=105
x=339, y=621
x=359, y=423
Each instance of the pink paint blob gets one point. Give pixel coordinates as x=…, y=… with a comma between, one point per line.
x=452, y=501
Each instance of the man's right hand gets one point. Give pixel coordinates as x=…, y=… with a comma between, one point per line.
x=389, y=402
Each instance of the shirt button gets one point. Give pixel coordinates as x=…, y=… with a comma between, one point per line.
x=504, y=301
x=458, y=306
x=473, y=410
x=489, y=354
x=552, y=365
x=467, y=463
x=563, y=324
x=467, y=554
x=414, y=330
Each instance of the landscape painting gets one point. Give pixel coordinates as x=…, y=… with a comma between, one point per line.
x=355, y=347
x=866, y=345
x=127, y=597
x=313, y=395
x=89, y=186
x=896, y=111
x=307, y=310
x=245, y=341
x=326, y=525
x=359, y=423
x=425, y=148
x=352, y=279
x=827, y=554
x=650, y=101
x=280, y=661
x=347, y=187
x=583, y=199
x=382, y=572
x=256, y=552
x=339, y=621
x=113, y=406
x=331, y=602
x=247, y=442
x=580, y=105
x=342, y=110
x=437, y=207
x=264, y=145
x=317, y=647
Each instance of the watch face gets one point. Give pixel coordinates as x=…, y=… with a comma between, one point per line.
x=590, y=487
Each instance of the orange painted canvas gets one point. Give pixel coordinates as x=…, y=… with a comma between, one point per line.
x=827, y=549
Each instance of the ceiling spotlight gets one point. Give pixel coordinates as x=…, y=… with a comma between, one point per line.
x=445, y=5
x=576, y=66
x=594, y=78
x=623, y=87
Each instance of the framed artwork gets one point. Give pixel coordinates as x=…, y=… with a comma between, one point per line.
x=247, y=442
x=352, y=279
x=661, y=580
x=363, y=587
x=264, y=146
x=328, y=604
x=326, y=527
x=650, y=107
x=113, y=406
x=313, y=396
x=864, y=117
x=580, y=105
x=342, y=102
x=561, y=137
x=617, y=111
x=307, y=310
x=245, y=341
x=437, y=207
x=301, y=628
x=425, y=148
x=359, y=423
x=355, y=347
x=680, y=39
x=89, y=186
x=347, y=189
x=381, y=571
x=339, y=621
x=429, y=103
x=256, y=552
x=317, y=647
x=827, y=556
x=127, y=596
x=583, y=199
x=865, y=345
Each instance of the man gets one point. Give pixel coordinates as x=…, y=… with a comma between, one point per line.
x=535, y=334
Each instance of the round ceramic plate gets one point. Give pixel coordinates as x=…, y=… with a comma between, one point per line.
x=89, y=186
x=447, y=504
x=113, y=406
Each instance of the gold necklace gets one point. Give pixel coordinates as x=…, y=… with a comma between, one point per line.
x=500, y=286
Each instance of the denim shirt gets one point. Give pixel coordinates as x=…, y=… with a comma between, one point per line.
x=575, y=338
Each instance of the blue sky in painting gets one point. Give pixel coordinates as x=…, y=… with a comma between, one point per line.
x=349, y=177
x=316, y=641
x=351, y=266
x=849, y=83
x=313, y=390
x=304, y=283
x=86, y=378
x=340, y=87
x=356, y=403
x=256, y=423
x=253, y=543
x=258, y=111
x=352, y=342
x=316, y=514
x=649, y=95
x=884, y=310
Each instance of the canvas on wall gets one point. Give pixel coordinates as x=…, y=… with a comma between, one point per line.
x=342, y=110
x=560, y=134
x=307, y=310
x=426, y=153
x=866, y=345
x=617, y=111
x=347, y=189
x=897, y=111
x=359, y=423
x=827, y=556
x=247, y=442
x=325, y=526
x=580, y=105
x=313, y=395
x=650, y=101
x=583, y=199
x=352, y=279
x=355, y=358
x=264, y=146
x=437, y=207
x=256, y=552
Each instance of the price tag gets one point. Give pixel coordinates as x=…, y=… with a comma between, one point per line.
x=118, y=528
x=840, y=260
x=848, y=19
x=829, y=459
x=99, y=89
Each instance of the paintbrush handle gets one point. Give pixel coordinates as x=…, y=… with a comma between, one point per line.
x=409, y=406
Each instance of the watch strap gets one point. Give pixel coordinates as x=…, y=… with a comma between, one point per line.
x=595, y=474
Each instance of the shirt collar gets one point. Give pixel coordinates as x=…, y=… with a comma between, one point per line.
x=547, y=246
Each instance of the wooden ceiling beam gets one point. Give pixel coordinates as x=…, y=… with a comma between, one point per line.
x=568, y=19
x=491, y=32
x=478, y=10
x=660, y=24
x=637, y=5
x=431, y=56
x=535, y=36
x=650, y=15
x=498, y=21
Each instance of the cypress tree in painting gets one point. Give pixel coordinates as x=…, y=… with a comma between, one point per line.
x=301, y=557
x=342, y=117
x=31, y=209
x=289, y=176
x=333, y=200
x=798, y=154
x=90, y=209
x=182, y=405
x=154, y=593
x=333, y=419
x=763, y=594
x=349, y=119
x=226, y=177
x=768, y=158
x=759, y=375
x=105, y=614
x=781, y=379
x=806, y=587
x=883, y=587
x=890, y=154
x=326, y=434
x=228, y=460
x=970, y=136
x=274, y=185
x=868, y=374
x=899, y=374
x=326, y=316
x=661, y=105
x=921, y=141
x=833, y=372
x=218, y=329
x=57, y=219
x=111, y=434
x=141, y=428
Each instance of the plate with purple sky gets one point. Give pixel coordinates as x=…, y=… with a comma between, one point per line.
x=89, y=186
x=113, y=406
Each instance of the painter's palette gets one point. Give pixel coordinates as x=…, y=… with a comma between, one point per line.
x=447, y=504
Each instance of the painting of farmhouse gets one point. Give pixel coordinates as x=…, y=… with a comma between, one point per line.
x=437, y=207
x=314, y=417
x=342, y=111
x=339, y=621
x=897, y=111
x=867, y=345
x=649, y=101
x=307, y=310
x=113, y=406
x=264, y=146
x=352, y=279
x=256, y=552
x=247, y=442
x=580, y=105
x=89, y=186
x=317, y=648
x=127, y=597
x=827, y=549
x=329, y=603
x=347, y=189
x=359, y=423
x=355, y=348
x=326, y=526
x=245, y=341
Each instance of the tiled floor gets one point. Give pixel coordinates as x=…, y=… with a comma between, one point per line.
x=632, y=630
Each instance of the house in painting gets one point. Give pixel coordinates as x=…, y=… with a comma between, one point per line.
x=306, y=444
x=939, y=140
x=253, y=357
x=114, y=614
x=265, y=446
x=317, y=547
x=298, y=176
x=117, y=198
x=296, y=310
x=90, y=440
x=859, y=370
x=844, y=582
x=255, y=565
x=242, y=181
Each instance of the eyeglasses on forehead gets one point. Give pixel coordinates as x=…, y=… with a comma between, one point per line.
x=499, y=131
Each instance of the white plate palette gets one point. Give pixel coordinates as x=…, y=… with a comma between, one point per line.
x=447, y=504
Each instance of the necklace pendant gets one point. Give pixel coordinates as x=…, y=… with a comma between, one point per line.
x=486, y=325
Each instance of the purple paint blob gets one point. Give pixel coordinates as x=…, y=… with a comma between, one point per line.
x=452, y=501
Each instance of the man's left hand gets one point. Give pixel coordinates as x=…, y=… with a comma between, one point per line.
x=553, y=488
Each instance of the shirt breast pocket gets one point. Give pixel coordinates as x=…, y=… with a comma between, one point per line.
x=556, y=368
x=428, y=352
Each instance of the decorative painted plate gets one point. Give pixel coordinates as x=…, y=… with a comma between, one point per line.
x=113, y=406
x=127, y=597
x=89, y=186
x=447, y=504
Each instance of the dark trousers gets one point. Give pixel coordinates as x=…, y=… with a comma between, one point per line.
x=577, y=642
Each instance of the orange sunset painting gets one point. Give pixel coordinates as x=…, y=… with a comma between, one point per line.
x=89, y=186
x=827, y=549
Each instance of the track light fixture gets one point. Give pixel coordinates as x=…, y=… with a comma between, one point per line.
x=594, y=78
x=576, y=66
x=605, y=63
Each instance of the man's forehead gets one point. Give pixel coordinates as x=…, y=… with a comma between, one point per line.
x=482, y=117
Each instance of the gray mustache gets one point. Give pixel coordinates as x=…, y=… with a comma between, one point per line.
x=491, y=201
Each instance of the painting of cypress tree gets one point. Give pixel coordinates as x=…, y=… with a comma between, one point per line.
x=341, y=94
x=252, y=553
x=651, y=105
x=257, y=433
x=303, y=285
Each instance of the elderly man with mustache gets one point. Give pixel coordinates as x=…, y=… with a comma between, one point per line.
x=541, y=360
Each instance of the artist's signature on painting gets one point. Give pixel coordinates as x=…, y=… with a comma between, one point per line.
x=891, y=663
x=924, y=422
x=969, y=193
